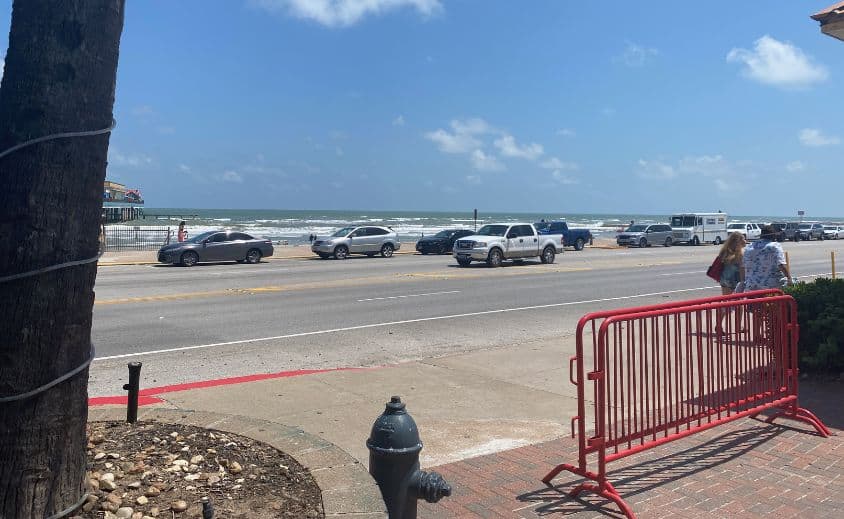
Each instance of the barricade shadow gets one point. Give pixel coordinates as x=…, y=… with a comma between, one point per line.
x=644, y=476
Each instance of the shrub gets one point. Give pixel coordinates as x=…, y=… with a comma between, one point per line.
x=820, y=313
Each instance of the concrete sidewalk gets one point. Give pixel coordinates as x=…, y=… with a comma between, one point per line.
x=496, y=421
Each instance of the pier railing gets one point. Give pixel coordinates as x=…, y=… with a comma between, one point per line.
x=122, y=238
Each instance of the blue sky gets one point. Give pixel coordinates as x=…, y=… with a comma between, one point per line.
x=543, y=106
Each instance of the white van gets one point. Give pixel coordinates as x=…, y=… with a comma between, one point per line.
x=697, y=228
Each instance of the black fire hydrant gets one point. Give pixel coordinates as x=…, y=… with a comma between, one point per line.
x=394, y=447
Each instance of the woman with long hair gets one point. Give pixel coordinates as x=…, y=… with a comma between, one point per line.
x=731, y=256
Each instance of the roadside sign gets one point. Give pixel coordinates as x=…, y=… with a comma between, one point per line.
x=801, y=213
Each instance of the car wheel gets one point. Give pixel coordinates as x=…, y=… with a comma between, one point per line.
x=668, y=242
x=189, y=259
x=578, y=244
x=695, y=241
x=464, y=262
x=718, y=240
x=643, y=243
x=341, y=252
x=494, y=259
x=253, y=256
x=387, y=250
x=548, y=255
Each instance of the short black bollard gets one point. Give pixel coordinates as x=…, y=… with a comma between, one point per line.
x=132, y=387
x=394, y=447
x=207, y=508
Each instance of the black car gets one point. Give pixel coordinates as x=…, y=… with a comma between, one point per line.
x=442, y=242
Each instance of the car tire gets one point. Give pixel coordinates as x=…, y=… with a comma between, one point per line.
x=578, y=244
x=189, y=259
x=341, y=252
x=253, y=256
x=464, y=262
x=548, y=255
x=695, y=241
x=643, y=243
x=668, y=242
x=386, y=250
x=423, y=252
x=718, y=240
x=495, y=258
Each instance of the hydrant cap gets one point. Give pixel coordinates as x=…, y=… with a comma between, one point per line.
x=394, y=432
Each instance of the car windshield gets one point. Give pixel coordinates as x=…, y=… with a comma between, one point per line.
x=343, y=232
x=199, y=238
x=637, y=228
x=805, y=226
x=736, y=226
x=444, y=234
x=492, y=230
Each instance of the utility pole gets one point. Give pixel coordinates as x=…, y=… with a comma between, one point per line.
x=60, y=74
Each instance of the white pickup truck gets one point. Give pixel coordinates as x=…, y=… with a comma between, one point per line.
x=496, y=242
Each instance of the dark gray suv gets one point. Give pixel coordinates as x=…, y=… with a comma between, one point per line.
x=645, y=235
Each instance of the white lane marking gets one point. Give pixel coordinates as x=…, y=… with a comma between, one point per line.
x=395, y=323
x=683, y=273
x=408, y=295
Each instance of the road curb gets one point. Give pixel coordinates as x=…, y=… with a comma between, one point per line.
x=346, y=486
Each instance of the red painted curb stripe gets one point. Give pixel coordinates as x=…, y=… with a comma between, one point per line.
x=148, y=396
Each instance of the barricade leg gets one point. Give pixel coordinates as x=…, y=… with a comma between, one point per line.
x=800, y=414
x=603, y=488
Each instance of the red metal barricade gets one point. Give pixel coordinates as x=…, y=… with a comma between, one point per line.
x=659, y=373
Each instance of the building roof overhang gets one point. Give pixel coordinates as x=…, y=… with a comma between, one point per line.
x=832, y=20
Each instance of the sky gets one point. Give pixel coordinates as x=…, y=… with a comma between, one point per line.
x=541, y=106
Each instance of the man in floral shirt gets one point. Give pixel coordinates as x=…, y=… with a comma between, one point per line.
x=764, y=264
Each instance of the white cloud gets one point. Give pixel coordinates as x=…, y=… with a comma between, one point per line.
x=557, y=164
x=508, y=147
x=815, y=138
x=778, y=63
x=143, y=111
x=566, y=132
x=795, y=166
x=562, y=178
x=473, y=179
x=131, y=160
x=184, y=168
x=344, y=13
x=636, y=55
x=656, y=169
x=231, y=176
x=483, y=162
x=398, y=121
x=463, y=138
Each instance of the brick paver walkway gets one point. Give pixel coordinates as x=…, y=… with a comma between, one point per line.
x=745, y=469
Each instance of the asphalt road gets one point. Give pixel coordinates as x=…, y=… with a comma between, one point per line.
x=222, y=320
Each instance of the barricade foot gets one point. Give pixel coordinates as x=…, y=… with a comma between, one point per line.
x=802, y=415
x=605, y=489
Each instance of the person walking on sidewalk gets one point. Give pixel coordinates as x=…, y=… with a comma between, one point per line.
x=731, y=256
x=764, y=263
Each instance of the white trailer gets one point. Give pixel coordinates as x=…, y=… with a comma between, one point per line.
x=697, y=228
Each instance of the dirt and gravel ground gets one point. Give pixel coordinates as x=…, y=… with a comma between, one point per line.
x=152, y=470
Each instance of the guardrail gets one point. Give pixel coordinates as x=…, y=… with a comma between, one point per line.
x=120, y=238
x=663, y=372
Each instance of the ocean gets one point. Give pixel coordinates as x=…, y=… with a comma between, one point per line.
x=295, y=226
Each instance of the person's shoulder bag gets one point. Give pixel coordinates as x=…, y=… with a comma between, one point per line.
x=714, y=271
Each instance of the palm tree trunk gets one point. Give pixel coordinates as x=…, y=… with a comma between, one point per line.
x=61, y=68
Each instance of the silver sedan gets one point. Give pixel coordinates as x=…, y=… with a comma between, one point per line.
x=216, y=246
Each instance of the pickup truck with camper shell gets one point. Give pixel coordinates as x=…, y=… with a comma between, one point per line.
x=576, y=238
x=493, y=243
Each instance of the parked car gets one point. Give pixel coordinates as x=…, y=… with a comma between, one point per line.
x=216, y=246
x=494, y=243
x=369, y=240
x=751, y=231
x=833, y=232
x=810, y=231
x=442, y=242
x=645, y=235
x=779, y=230
x=576, y=238
x=792, y=231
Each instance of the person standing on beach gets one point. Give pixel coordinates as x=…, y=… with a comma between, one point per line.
x=764, y=264
x=183, y=233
